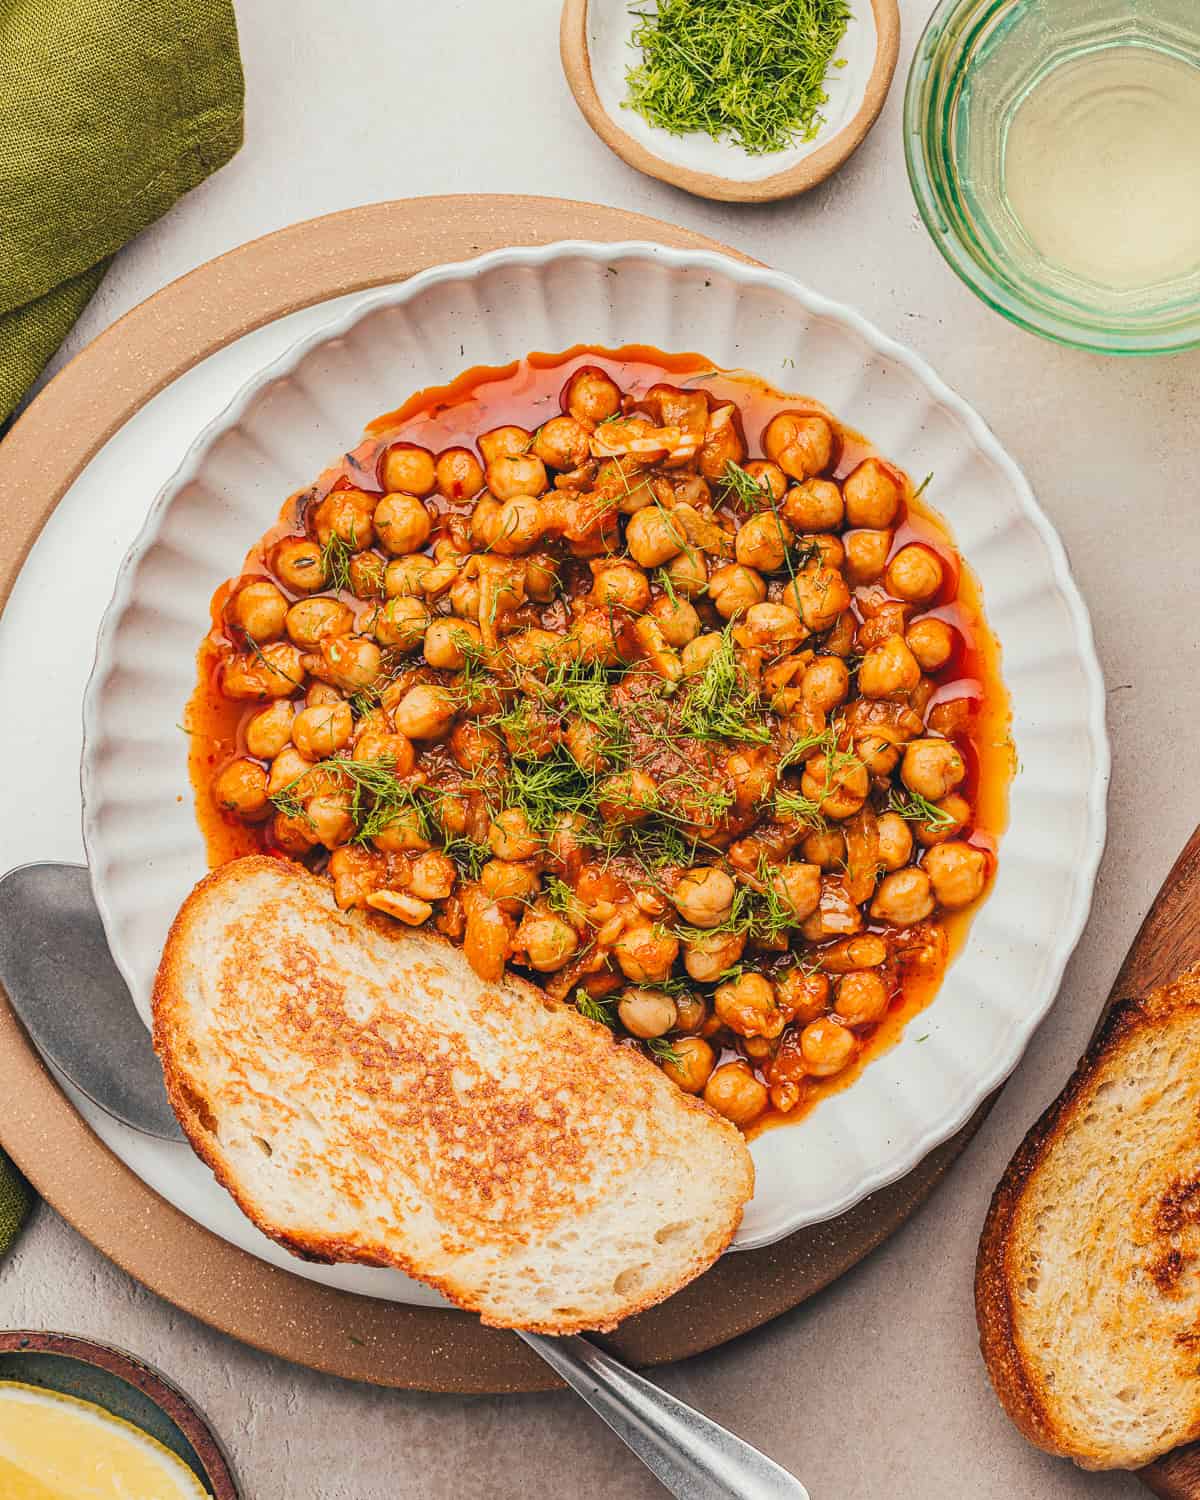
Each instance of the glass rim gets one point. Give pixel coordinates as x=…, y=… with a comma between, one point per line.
x=952, y=16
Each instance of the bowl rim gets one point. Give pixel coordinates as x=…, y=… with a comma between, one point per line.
x=973, y=273
x=788, y=287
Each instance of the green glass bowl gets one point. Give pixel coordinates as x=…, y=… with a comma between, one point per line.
x=974, y=64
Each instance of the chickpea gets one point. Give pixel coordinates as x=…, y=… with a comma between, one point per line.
x=957, y=872
x=432, y=877
x=696, y=654
x=393, y=749
x=677, y=619
x=688, y=573
x=704, y=896
x=258, y=609
x=836, y=916
x=426, y=712
x=903, y=897
x=513, y=474
x=888, y=668
x=270, y=730
x=510, y=883
x=801, y=444
x=818, y=595
x=320, y=732
x=621, y=586
x=797, y=888
x=707, y=958
x=405, y=576
x=653, y=537
x=839, y=786
x=931, y=641
x=690, y=1013
x=762, y=542
x=297, y=563
x=591, y=396
x=826, y=848
x=915, y=573
x=866, y=951
x=403, y=833
x=931, y=768
x=957, y=809
x=474, y=747
x=287, y=770
x=504, y=442
x=646, y=1013
x=801, y=994
x=402, y=523
x=456, y=474
x=330, y=818
x=826, y=683
x=815, y=505
x=826, y=1047
x=769, y=477
x=402, y=623
x=772, y=628
x=692, y=1064
x=895, y=841
x=862, y=997
x=292, y=835
x=349, y=662
x=627, y=797
x=817, y=549
x=447, y=643
x=275, y=670
x=511, y=837
x=408, y=469
x=872, y=493
x=733, y=588
x=561, y=443
x=241, y=789
x=547, y=941
x=733, y=1091
x=346, y=514
x=310, y=621
x=747, y=1006
x=645, y=952
x=367, y=571
x=866, y=554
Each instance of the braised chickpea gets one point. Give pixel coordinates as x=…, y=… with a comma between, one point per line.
x=330, y=818
x=865, y=951
x=297, y=563
x=405, y=576
x=654, y=537
x=457, y=474
x=802, y=994
x=955, y=815
x=645, y=952
x=432, y=877
x=839, y=786
x=401, y=623
x=320, y=732
x=321, y=692
x=546, y=941
x=872, y=494
x=797, y=889
x=819, y=595
x=733, y=1091
x=931, y=641
x=402, y=524
x=386, y=747
x=772, y=628
x=915, y=573
x=425, y=712
x=747, y=1006
x=409, y=469
x=866, y=554
x=646, y=1013
x=862, y=997
x=837, y=915
x=511, y=837
x=827, y=1046
x=887, y=669
x=292, y=834
x=957, y=872
x=903, y=897
x=762, y=542
x=622, y=586
x=258, y=610
x=707, y=958
x=690, y=1013
x=826, y=683
x=733, y=588
x=561, y=443
x=691, y=1065
x=474, y=747
x=515, y=474
x=508, y=441
x=697, y=654
x=349, y=662
x=814, y=505
x=931, y=768
x=704, y=896
x=626, y=797
x=288, y=769
x=241, y=789
x=404, y=833
x=310, y=621
x=815, y=549
x=769, y=477
x=511, y=883
x=269, y=730
x=275, y=670
x=688, y=573
x=345, y=514
x=825, y=847
x=802, y=445
x=365, y=573
x=895, y=841
x=591, y=397
x=448, y=643
x=677, y=619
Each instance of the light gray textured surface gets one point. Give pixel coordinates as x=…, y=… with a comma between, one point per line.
x=876, y=1388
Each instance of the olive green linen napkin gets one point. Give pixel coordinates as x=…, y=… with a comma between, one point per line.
x=16, y=1199
x=110, y=110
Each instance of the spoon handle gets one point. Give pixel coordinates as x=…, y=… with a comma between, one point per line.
x=685, y=1451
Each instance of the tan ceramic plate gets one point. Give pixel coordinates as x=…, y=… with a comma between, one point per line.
x=594, y=43
x=328, y=1329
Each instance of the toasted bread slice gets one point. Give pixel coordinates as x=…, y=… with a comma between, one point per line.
x=365, y=1097
x=1087, y=1286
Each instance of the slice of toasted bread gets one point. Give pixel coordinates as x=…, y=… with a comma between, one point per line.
x=365, y=1097
x=1087, y=1286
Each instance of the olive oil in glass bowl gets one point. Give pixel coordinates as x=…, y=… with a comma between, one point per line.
x=1053, y=148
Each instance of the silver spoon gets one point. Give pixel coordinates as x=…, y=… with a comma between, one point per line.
x=62, y=983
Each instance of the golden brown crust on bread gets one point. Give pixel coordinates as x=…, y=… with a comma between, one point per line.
x=495, y=1174
x=1018, y=1372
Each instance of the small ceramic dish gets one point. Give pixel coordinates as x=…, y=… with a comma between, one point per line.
x=122, y=1385
x=595, y=45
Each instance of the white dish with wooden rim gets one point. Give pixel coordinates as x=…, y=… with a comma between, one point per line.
x=594, y=41
x=146, y=850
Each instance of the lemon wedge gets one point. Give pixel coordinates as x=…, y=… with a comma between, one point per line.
x=55, y=1447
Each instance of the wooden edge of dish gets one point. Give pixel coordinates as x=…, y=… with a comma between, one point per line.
x=335, y=1332
x=577, y=66
x=167, y=1397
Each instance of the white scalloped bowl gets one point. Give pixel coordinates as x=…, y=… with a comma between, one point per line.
x=146, y=852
